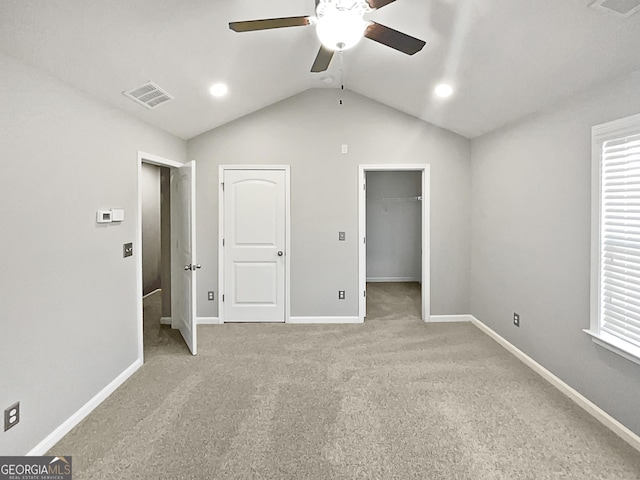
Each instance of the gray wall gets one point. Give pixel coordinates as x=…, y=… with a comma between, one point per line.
x=68, y=312
x=531, y=243
x=151, y=244
x=394, y=226
x=306, y=131
x=165, y=240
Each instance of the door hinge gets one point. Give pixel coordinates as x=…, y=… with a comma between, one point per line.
x=364, y=186
x=364, y=294
x=223, y=298
x=222, y=186
x=223, y=242
x=364, y=239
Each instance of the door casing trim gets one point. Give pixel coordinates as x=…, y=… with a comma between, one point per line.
x=287, y=228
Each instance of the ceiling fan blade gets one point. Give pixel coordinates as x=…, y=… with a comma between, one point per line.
x=392, y=38
x=267, y=23
x=323, y=59
x=375, y=4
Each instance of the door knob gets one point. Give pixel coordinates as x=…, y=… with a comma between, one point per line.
x=187, y=267
x=197, y=267
x=280, y=253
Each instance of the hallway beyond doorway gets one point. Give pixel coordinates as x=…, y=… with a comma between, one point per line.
x=159, y=339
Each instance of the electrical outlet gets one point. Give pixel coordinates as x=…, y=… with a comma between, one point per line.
x=11, y=416
x=342, y=236
x=341, y=294
x=210, y=296
x=516, y=319
x=127, y=250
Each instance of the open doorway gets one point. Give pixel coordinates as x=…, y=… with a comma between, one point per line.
x=394, y=226
x=155, y=189
x=169, y=254
x=394, y=237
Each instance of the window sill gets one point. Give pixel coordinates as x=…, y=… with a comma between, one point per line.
x=616, y=345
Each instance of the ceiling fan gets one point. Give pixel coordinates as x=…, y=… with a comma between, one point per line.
x=340, y=24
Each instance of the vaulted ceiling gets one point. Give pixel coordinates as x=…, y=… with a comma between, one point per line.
x=505, y=58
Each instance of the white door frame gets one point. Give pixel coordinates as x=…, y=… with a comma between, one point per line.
x=426, y=232
x=287, y=221
x=160, y=162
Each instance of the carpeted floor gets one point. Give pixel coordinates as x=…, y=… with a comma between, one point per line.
x=394, y=398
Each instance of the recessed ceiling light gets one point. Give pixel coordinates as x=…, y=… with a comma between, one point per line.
x=218, y=90
x=443, y=90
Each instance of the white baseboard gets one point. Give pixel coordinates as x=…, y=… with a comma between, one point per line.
x=152, y=293
x=208, y=321
x=450, y=318
x=334, y=320
x=199, y=321
x=392, y=279
x=603, y=417
x=55, y=436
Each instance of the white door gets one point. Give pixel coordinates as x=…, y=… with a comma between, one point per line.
x=363, y=253
x=254, y=245
x=183, y=253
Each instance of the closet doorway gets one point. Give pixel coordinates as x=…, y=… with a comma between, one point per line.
x=393, y=211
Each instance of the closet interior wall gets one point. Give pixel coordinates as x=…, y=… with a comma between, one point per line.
x=394, y=225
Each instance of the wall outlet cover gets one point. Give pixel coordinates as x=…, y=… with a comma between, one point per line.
x=516, y=319
x=11, y=416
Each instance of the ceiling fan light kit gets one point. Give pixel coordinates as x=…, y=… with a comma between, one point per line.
x=340, y=31
x=340, y=25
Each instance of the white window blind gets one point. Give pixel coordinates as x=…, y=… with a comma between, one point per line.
x=620, y=239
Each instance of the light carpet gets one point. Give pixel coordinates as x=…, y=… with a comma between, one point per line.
x=394, y=398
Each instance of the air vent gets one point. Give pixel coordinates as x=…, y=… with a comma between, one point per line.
x=150, y=95
x=620, y=8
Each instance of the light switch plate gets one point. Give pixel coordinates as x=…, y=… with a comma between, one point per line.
x=342, y=236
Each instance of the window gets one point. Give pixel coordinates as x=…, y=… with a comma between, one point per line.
x=615, y=237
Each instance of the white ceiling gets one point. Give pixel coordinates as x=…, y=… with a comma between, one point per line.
x=506, y=58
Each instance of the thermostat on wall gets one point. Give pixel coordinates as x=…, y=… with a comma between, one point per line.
x=117, y=214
